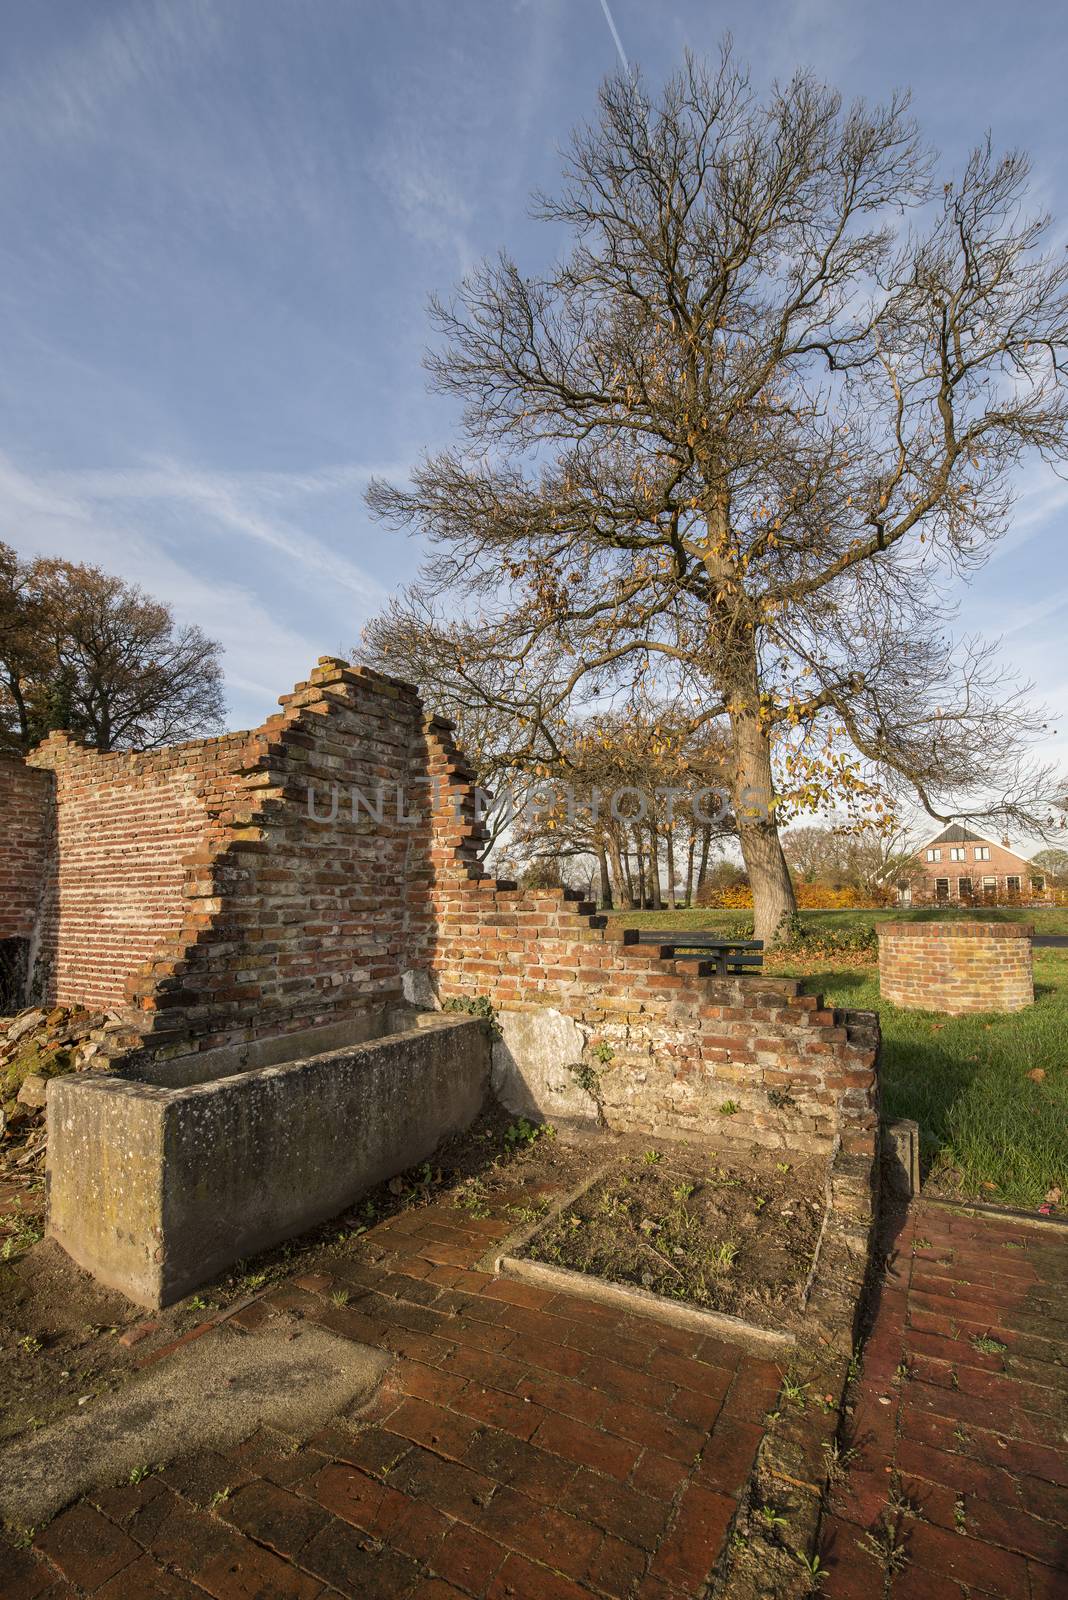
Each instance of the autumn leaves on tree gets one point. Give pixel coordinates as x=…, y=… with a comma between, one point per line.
x=731, y=445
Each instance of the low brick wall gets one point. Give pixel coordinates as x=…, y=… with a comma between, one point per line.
x=597, y=1030
x=956, y=967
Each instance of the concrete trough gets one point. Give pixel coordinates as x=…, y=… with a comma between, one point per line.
x=158, y=1183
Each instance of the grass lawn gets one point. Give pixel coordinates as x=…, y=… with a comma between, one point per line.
x=989, y=1131
x=1046, y=919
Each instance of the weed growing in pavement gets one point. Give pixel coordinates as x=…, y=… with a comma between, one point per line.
x=884, y=1544
x=770, y=1519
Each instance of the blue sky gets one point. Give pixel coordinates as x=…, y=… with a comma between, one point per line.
x=222, y=222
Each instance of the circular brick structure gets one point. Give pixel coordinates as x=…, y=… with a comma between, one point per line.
x=956, y=967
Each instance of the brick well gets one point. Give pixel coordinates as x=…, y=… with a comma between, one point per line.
x=956, y=967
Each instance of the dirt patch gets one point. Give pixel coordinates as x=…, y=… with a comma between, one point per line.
x=60, y=1329
x=736, y=1238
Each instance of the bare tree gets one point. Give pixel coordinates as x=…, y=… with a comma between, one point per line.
x=82, y=650
x=743, y=431
x=636, y=790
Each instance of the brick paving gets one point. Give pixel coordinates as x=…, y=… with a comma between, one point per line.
x=530, y=1446
x=958, y=1486
x=526, y=1446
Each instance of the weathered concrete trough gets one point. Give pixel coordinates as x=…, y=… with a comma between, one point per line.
x=158, y=1182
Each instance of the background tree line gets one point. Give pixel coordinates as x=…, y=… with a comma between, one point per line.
x=84, y=651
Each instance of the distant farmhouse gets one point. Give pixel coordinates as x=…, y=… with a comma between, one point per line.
x=964, y=866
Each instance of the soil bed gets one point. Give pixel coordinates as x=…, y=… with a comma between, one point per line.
x=737, y=1238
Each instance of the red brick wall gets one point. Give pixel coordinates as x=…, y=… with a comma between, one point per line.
x=956, y=967
x=193, y=884
x=25, y=822
x=665, y=1048
x=114, y=884
x=289, y=922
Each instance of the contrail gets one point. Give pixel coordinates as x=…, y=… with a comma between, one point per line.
x=615, y=35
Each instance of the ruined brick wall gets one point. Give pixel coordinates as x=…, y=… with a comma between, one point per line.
x=293, y=917
x=113, y=884
x=25, y=824
x=197, y=886
x=956, y=967
x=600, y=1030
x=193, y=884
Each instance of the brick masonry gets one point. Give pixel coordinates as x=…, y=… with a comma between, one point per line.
x=25, y=827
x=956, y=1443
x=956, y=967
x=525, y=1445
x=194, y=887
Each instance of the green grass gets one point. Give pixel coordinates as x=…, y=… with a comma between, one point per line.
x=1046, y=919
x=989, y=1132
x=983, y=1121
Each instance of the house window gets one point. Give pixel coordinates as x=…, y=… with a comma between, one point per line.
x=958, y=855
x=990, y=890
x=1038, y=885
x=1012, y=885
x=964, y=888
x=934, y=855
x=982, y=852
x=941, y=888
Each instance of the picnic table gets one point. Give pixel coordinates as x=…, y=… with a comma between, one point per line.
x=729, y=956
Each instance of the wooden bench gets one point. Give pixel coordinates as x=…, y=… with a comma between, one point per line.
x=728, y=956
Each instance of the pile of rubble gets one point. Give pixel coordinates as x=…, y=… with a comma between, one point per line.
x=37, y=1045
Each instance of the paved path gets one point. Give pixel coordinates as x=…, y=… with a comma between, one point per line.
x=959, y=1484
x=529, y=1447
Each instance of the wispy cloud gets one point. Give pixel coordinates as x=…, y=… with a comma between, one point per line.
x=86, y=516
x=235, y=501
x=69, y=97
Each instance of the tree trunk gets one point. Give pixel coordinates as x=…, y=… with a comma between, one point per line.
x=640, y=853
x=626, y=882
x=706, y=845
x=689, y=866
x=654, y=868
x=671, y=865
x=606, y=881
x=758, y=835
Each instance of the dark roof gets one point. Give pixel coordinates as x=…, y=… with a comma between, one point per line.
x=956, y=834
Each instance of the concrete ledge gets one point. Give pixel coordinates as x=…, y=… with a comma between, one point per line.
x=900, y=1153
x=155, y=1190
x=643, y=1303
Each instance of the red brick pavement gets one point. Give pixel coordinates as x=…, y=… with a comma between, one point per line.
x=526, y=1446
x=959, y=1482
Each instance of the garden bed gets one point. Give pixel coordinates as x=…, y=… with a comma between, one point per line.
x=680, y=1225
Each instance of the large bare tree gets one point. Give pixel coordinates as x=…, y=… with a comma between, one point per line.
x=737, y=438
x=81, y=649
